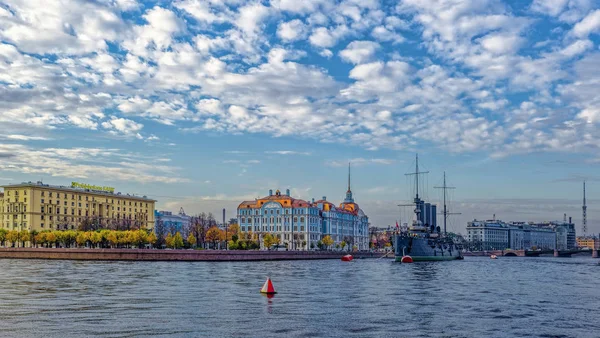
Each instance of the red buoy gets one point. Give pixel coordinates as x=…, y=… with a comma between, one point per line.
x=406, y=259
x=268, y=288
x=347, y=258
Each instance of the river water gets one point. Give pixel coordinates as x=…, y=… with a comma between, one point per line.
x=477, y=297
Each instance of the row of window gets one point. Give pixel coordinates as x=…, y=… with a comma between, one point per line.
x=50, y=194
x=276, y=211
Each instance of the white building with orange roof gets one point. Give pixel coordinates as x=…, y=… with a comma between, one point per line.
x=300, y=224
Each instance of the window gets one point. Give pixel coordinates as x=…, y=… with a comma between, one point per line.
x=301, y=219
x=42, y=217
x=65, y=195
x=65, y=203
x=42, y=209
x=42, y=224
x=42, y=193
x=50, y=194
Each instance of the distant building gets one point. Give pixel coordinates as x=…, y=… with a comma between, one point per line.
x=499, y=235
x=488, y=235
x=589, y=242
x=38, y=206
x=172, y=222
x=300, y=224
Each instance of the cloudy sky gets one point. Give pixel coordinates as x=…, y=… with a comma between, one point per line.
x=204, y=103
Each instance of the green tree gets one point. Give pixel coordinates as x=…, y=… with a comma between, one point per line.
x=112, y=239
x=169, y=241
x=152, y=239
x=327, y=241
x=41, y=238
x=3, y=233
x=343, y=244
x=178, y=241
x=268, y=241
x=191, y=240
x=95, y=238
x=81, y=238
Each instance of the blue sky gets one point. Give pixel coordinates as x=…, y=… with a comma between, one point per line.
x=204, y=103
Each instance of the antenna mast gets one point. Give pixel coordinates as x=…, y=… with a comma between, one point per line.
x=584, y=209
x=446, y=213
x=417, y=173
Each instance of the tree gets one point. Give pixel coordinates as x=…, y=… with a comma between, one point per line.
x=160, y=231
x=3, y=233
x=12, y=237
x=95, y=238
x=112, y=239
x=41, y=238
x=152, y=239
x=268, y=241
x=327, y=241
x=213, y=235
x=178, y=241
x=169, y=241
x=191, y=240
x=343, y=244
x=82, y=238
x=24, y=237
x=50, y=238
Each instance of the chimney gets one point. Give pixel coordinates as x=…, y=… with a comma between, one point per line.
x=565, y=218
x=324, y=198
x=287, y=192
x=570, y=220
x=270, y=192
x=313, y=200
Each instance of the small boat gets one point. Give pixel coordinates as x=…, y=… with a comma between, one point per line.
x=493, y=256
x=347, y=258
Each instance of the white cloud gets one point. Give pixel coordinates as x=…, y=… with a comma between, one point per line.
x=381, y=33
x=359, y=162
x=549, y=7
x=291, y=30
x=590, y=24
x=75, y=163
x=123, y=126
x=359, y=51
x=287, y=152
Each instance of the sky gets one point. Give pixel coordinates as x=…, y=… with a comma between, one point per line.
x=202, y=104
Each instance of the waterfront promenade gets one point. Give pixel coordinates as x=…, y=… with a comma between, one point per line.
x=173, y=255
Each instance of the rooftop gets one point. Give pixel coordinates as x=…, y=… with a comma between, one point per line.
x=77, y=190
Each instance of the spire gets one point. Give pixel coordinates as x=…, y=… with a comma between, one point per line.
x=349, y=198
x=349, y=190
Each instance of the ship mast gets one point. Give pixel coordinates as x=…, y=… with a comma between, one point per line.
x=446, y=213
x=417, y=200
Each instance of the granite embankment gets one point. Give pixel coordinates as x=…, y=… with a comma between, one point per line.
x=172, y=255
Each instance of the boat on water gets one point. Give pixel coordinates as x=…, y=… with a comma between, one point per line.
x=422, y=241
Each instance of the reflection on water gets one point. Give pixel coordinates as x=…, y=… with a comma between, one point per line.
x=477, y=297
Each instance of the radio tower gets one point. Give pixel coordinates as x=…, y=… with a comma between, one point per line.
x=584, y=208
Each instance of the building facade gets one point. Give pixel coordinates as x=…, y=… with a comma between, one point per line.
x=172, y=223
x=300, y=224
x=38, y=206
x=499, y=235
x=589, y=242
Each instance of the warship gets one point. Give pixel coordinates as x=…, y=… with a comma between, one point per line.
x=424, y=241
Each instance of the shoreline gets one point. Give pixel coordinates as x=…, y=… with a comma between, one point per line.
x=173, y=255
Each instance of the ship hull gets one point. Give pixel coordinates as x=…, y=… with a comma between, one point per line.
x=422, y=249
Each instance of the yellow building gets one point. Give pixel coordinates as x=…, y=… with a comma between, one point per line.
x=38, y=206
x=588, y=242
